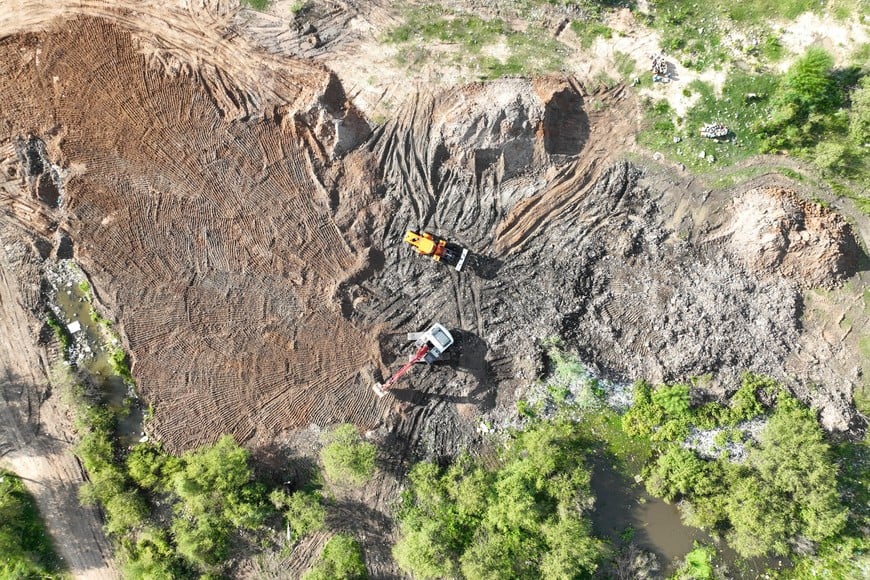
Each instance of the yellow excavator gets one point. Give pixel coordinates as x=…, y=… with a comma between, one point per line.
x=437, y=248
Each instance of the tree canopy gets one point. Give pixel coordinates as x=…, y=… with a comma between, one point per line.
x=523, y=519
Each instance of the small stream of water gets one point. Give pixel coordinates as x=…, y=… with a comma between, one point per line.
x=92, y=347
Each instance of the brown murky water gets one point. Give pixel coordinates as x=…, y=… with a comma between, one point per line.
x=623, y=510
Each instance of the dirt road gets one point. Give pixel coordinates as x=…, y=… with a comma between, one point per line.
x=33, y=441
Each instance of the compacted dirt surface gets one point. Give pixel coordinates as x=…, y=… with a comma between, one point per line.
x=240, y=216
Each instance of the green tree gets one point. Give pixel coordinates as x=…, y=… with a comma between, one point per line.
x=25, y=548
x=522, y=519
x=341, y=559
x=674, y=399
x=761, y=521
x=151, y=468
x=151, y=557
x=805, y=97
x=215, y=496
x=125, y=511
x=347, y=458
x=203, y=541
x=794, y=459
x=676, y=473
x=744, y=402
x=571, y=549
x=303, y=511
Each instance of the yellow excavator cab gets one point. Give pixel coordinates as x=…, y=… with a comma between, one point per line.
x=424, y=244
x=437, y=248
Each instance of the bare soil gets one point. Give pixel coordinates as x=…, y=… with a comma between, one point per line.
x=240, y=214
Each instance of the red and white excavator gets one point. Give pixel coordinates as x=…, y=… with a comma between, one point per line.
x=430, y=346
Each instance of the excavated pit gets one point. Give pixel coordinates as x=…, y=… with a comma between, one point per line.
x=255, y=266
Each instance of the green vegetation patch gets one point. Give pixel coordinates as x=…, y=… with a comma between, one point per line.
x=256, y=4
x=25, y=547
x=750, y=11
x=743, y=104
x=698, y=564
x=60, y=331
x=588, y=31
x=787, y=486
x=341, y=559
x=303, y=511
x=471, y=41
x=693, y=31
x=347, y=458
x=523, y=518
x=211, y=494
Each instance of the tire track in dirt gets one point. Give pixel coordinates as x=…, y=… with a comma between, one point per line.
x=34, y=432
x=198, y=229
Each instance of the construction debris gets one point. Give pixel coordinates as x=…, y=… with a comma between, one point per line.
x=714, y=130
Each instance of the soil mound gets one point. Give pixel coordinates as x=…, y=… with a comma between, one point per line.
x=773, y=230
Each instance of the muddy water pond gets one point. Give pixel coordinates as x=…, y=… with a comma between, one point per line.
x=91, y=348
x=625, y=512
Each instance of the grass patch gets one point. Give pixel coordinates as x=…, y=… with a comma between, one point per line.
x=735, y=108
x=472, y=41
x=693, y=30
x=750, y=11
x=25, y=547
x=256, y=4
x=587, y=31
x=120, y=364
x=61, y=332
x=698, y=564
x=629, y=452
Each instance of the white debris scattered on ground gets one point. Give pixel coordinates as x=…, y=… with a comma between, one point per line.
x=709, y=443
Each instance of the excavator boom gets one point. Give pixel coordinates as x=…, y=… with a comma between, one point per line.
x=431, y=343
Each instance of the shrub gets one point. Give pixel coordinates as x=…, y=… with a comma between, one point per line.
x=805, y=97
x=859, y=123
x=151, y=468
x=697, y=564
x=341, y=559
x=25, y=548
x=744, y=402
x=520, y=519
x=347, y=458
x=303, y=511
x=215, y=496
x=152, y=557
x=125, y=511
